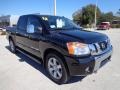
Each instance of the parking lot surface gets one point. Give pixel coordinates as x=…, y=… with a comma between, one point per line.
x=18, y=72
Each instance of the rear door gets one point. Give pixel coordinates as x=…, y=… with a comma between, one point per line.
x=21, y=34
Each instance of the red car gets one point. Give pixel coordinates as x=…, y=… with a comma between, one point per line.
x=104, y=26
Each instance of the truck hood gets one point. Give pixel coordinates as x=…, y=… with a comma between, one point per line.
x=82, y=36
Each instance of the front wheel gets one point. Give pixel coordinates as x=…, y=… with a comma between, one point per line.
x=56, y=69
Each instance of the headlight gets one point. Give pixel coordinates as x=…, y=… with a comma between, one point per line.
x=77, y=48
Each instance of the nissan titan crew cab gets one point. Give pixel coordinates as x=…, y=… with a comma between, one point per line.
x=60, y=45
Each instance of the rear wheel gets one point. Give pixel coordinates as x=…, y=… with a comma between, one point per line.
x=56, y=69
x=12, y=46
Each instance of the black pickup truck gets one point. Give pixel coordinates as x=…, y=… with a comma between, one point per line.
x=60, y=45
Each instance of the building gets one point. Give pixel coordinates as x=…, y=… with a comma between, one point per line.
x=8, y=20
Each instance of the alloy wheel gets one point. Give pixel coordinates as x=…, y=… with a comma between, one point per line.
x=54, y=68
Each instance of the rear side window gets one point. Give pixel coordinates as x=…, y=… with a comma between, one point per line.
x=22, y=23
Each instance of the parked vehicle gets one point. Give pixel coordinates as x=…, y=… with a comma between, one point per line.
x=104, y=26
x=115, y=24
x=0, y=29
x=61, y=46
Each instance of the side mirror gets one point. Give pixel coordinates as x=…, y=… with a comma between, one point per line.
x=30, y=28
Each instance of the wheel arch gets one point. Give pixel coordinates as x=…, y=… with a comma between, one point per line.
x=51, y=50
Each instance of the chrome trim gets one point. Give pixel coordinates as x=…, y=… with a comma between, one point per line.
x=98, y=50
x=34, y=48
x=99, y=59
x=28, y=46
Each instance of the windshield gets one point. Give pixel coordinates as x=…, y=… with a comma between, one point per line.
x=60, y=23
x=104, y=23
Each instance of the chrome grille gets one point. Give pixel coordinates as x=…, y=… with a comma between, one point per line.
x=100, y=47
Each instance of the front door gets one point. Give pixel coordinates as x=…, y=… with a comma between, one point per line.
x=34, y=37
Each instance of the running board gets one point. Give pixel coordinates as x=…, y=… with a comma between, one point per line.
x=36, y=60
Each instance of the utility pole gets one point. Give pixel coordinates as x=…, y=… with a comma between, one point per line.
x=55, y=7
x=96, y=13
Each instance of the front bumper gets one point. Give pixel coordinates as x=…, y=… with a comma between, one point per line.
x=87, y=65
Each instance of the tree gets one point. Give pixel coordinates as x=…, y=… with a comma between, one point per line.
x=77, y=17
x=86, y=15
x=106, y=17
x=118, y=12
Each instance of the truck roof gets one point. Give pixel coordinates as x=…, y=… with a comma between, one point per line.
x=42, y=15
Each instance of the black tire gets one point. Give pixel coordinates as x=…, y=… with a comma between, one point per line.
x=12, y=46
x=65, y=75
